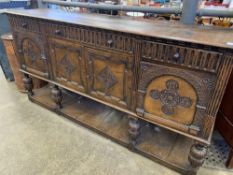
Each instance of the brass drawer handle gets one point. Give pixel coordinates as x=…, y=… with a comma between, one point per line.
x=110, y=43
x=24, y=25
x=58, y=32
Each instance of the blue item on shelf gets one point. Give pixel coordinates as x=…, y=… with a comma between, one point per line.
x=13, y=4
x=4, y=28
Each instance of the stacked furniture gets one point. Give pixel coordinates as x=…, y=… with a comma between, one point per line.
x=5, y=28
x=154, y=87
x=4, y=64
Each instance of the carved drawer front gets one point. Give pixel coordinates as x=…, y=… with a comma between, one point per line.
x=29, y=48
x=24, y=24
x=176, y=98
x=112, y=40
x=90, y=36
x=68, y=64
x=186, y=57
x=109, y=76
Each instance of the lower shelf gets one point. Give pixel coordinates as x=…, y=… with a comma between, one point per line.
x=159, y=144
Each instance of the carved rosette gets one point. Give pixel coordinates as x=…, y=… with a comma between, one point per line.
x=197, y=155
x=170, y=97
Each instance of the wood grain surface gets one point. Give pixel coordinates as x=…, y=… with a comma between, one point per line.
x=168, y=30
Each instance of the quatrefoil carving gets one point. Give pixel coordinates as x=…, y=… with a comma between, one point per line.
x=170, y=97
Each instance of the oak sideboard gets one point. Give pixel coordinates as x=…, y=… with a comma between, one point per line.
x=152, y=86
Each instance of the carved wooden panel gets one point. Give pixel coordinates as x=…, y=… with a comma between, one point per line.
x=29, y=48
x=174, y=97
x=67, y=63
x=110, y=76
x=186, y=57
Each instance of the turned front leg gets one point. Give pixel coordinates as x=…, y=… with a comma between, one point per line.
x=197, y=155
x=57, y=96
x=28, y=84
x=134, y=131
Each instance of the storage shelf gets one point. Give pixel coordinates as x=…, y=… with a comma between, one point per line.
x=159, y=144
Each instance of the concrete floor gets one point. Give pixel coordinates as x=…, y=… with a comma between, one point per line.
x=35, y=141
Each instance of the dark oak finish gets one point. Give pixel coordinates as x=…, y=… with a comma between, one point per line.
x=165, y=74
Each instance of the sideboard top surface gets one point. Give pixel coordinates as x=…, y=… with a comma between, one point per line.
x=212, y=36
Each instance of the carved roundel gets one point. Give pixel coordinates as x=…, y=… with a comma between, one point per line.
x=170, y=97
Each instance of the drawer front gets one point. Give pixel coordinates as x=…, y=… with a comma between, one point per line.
x=68, y=64
x=99, y=38
x=183, y=56
x=109, y=76
x=30, y=51
x=174, y=97
x=24, y=24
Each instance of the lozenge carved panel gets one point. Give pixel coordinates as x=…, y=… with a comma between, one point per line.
x=68, y=63
x=110, y=76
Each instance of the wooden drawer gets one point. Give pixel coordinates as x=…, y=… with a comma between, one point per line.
x=24, y=24
x=95, y=37
x=114, y=41
x=175, y=97
x=183, y=56
x=110, y=76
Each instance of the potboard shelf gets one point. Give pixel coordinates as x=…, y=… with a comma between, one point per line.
x=154, y=142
